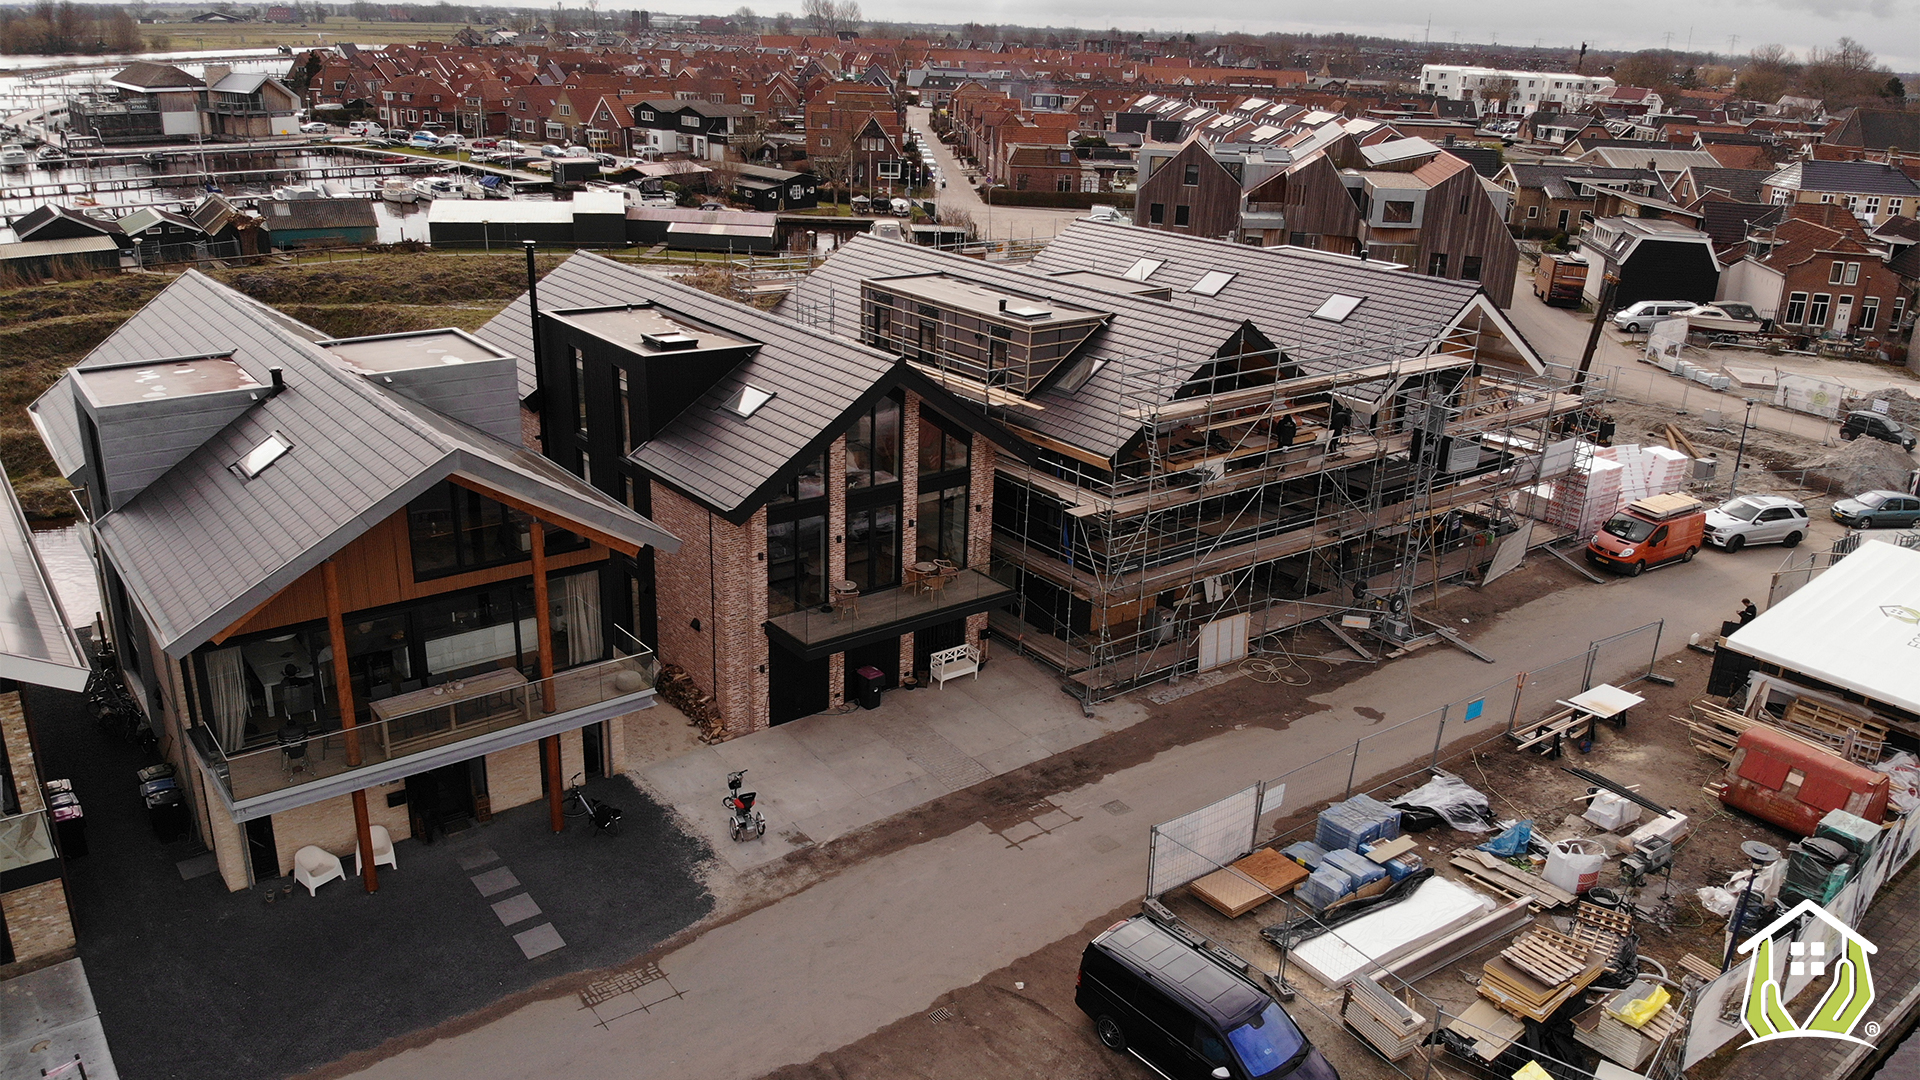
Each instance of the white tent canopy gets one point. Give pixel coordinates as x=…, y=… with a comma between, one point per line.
x=1857, y=627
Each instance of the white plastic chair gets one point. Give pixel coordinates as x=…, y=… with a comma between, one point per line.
x=314, y=867
x=382, y=851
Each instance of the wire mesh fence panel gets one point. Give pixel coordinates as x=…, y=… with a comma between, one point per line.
x=1546, y=687
x=1317, y=782
x=1201, y=841
x=1395, y=751
x=1627, y=657
x=1478, y=718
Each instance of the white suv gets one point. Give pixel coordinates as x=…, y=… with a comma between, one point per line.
x=1756, y=519
x=1639, y=318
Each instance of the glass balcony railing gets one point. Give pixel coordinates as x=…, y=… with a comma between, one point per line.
x=428, y=719
x=25, y=839
x=924, y=596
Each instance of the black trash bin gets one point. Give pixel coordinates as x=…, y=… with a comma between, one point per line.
x=167, y=814
x=871, y=681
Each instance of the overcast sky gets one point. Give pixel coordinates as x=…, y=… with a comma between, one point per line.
x=1889, y=27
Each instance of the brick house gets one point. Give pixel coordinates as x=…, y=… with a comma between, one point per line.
x=835, y=502
x=1817, y=273
x=1559, y=198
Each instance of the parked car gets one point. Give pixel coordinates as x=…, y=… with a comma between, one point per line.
x=1756, y=519
x=484, y=144
x=1650, y=531
x=576, y=150
x=1639, y=318
x=452, y=142
x=365, y=127
x=1185, y=1014
x=1878, y=509
x=424, y=140
x=1725, y=317
x=1875, y=426
x=552, y=151
x=313, y=127
x=510, y=146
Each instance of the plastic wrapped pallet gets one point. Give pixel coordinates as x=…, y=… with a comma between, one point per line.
x=1404, y=865
x=1851, y=831
x=1306, y=853
x=1327, y=885
x=1362, y=870
x=1347, y=825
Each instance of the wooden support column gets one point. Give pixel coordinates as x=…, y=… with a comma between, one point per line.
x=343, y=691
x=543, y=623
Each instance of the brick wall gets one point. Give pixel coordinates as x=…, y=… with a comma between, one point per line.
x=13, y=731
x=329, y=826
x=37, y=922
x=719, y=576
x=513, y=776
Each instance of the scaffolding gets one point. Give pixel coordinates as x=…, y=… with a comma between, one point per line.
x=1259, y=491
x=1243, y=511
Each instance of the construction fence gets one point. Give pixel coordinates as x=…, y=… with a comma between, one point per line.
x=1207, y=839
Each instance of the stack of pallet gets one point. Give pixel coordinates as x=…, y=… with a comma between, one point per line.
x=1382, y=1019
x=1586, y=496
x=1540, y=972
x=1716, y=728
x=1856, y=739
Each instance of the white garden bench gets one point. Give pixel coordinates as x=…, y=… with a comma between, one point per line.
x=953, y=663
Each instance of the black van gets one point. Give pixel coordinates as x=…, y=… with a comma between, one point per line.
x=1184, y=1013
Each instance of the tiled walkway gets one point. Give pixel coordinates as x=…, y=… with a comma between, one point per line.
x=823, y=776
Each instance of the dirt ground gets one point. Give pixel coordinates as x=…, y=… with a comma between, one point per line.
x=1021, y=1020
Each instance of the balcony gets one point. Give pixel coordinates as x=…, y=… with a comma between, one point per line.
x=453, y=722
x=933, y=599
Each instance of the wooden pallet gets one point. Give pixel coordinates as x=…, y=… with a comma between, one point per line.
x=1693, y=965
x=1715, y=729
x=1612, y=919
x=1525, y=996
x=1852, y=737
x=1548, y=960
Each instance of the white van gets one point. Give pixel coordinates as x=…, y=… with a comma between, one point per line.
x=1638, y=318
x=365, y=127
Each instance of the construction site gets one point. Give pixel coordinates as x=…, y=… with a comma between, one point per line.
x=1208, y=470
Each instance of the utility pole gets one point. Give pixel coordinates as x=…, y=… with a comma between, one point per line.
x=1746, y=425
x=1600, y=310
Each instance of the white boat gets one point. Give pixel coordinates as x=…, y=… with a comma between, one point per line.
x=445, y=187
x=296, y=191
x=400, y=190
x=50, y=156
x=13, y=156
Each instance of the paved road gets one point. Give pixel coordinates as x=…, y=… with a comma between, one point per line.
x=997, y=222
x=1560, y=335
x=882, y=940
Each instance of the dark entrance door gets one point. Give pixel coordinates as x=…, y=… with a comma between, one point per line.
x=440, y=801
x=884, y=655
x=934, y=638
x=261, y=849
x=593, y=747
x=795, y=687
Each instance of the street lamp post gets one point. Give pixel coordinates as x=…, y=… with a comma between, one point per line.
x=1746, y=425
x=486, y=239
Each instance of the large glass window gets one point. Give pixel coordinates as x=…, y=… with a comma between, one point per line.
x=941, y=525
x=873, y=546
x=454, y=530
x=1796, y=309
x=873, y=446
x=580, y=391
x=940, y=449
x=796, y=563
x=1817, y=314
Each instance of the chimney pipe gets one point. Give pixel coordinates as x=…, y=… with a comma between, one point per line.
x=1003, y=305
x=279, y=380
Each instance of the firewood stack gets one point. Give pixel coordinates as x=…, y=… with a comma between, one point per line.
x=678, y=689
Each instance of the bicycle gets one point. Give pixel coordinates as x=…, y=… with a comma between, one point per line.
x=605, y=816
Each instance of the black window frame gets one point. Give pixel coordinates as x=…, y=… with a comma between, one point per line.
x=464, y=501
x=1182, y=215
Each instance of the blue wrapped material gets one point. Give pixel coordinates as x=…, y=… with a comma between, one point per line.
x=1359, y=820
x=1306, y=853
x=1404, y=865
x=1511, y=842
x=1327, y=885
x=1362, y=870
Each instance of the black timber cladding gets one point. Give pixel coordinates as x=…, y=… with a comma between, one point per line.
x=729, y=463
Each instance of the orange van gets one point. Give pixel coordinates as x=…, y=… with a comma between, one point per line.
x=1650, y=531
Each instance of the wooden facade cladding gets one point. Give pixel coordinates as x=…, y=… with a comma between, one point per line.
x=376, y=570
x=1461, y=222
x=1320, y=211
x=1212, y=202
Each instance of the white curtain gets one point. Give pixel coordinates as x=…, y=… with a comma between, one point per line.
x=227, y=686
x=580, y=606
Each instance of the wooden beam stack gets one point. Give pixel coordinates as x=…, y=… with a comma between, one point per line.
x=1383, y=1020
x=1510, y=880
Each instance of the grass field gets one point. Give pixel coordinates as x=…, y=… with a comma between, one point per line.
x=191, y=35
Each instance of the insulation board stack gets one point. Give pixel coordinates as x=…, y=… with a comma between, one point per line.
x=1667, y=469
x=1586, y=497
x=1306, y=853
x=1359, y=820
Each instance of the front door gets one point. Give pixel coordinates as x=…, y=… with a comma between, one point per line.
x=261, y=849
x=441, y=800
x=795, y=687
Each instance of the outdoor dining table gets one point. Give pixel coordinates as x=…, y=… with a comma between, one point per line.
x=447, y=696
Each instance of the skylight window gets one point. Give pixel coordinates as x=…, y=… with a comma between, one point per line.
x=1027, y=311
x=257, y=459
x=1142, y=269
x=1337, y=307
x=748, y=401
x=1211, y=283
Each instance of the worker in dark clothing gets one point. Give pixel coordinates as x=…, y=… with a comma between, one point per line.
x=1338, y=417
x=1284, y=432
x=1748, y=612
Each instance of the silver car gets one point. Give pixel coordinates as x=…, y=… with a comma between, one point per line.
x=1756, y=519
